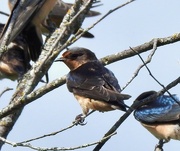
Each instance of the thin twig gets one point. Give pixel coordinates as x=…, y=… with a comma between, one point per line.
x=142, y=65
x=105, y=61
x=3, y=13
x=150, y=73
x=14, y=144
x=79, y=34
x=35, y=74
x=135, y=105
x=5, y=90
x=74, y=123
x=47, y=135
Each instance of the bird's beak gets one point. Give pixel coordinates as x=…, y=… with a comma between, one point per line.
x=60, y=59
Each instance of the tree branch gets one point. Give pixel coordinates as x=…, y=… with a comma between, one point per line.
x=32, y=96
x=51, y=49
x=3, y=13
x=47, y=135
x=53, y=148
x=142, y=65
x=79, y=34
x=135, y=105
x=140, y=49
x=145, y=64
x=5, y=90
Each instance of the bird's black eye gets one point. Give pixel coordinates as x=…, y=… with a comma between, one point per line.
x=76, y=55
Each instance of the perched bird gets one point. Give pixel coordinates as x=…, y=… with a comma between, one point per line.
x=26, y=32
x=161, y=116
x=29, y=22
x=57, y=14
x=16, y=60
x=94, y=86
x=44, y=17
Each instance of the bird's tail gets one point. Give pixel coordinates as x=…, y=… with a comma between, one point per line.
x=125, y=96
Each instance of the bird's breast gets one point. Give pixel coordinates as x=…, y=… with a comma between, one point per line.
x=87, y=103
x=7, y=71
x=44, y=11
x=164, y=131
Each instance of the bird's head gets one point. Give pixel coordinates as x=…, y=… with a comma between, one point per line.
x=143, y=96
x=77, y=56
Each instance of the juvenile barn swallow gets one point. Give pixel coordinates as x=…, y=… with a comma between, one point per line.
x=161, y=116
x=16, y=60
x=94, y=86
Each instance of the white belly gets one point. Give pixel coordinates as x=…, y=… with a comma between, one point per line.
x=164, y=131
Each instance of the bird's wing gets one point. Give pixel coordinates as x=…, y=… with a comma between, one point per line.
x=89, y=81
x=15, y=59
x=110, y=80
x=164, y=109
x=56, y=16
x=24, y=14
x=60, y=10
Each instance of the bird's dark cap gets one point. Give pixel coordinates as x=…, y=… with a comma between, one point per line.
x=77, y=51
x=145, y=95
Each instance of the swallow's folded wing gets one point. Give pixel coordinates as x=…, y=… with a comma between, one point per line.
x=164, y=109
x=89, y=82
x=20, y=16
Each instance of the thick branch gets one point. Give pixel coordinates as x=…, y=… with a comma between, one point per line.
x=11, y=22
x=141, y=48
x=134, y=106
x=51, y=49
x=106, y=60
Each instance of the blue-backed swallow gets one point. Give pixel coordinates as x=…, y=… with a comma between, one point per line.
x=16, y=60
x=93, y=85
x=161, y=116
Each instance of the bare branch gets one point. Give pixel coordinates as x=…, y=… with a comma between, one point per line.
x=79, y=34
x=54, y=148
x=141, y=66
x=135, y=105
x=140, y=49
x=105, y=61
x=12, y=19
x=3, y=13
x=47, y=135
x=155, y=78
x=49, y=53
x=5, y=90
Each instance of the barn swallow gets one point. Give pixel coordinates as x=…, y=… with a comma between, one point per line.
x=57, y=14
x=29, y=22
x=161, y=116
x=47, y=17
x=94, y=86
x=16, y=60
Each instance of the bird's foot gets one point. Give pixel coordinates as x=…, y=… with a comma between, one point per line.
x=79, y=120
x=159, y=146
